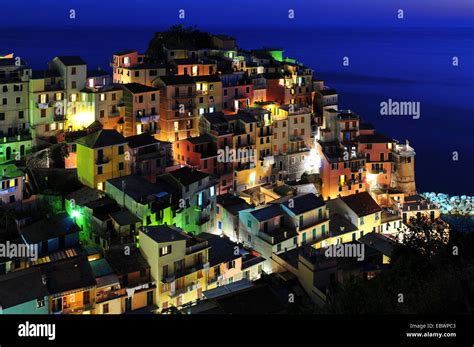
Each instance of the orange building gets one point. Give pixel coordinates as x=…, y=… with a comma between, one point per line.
x=141, y=109
x=179, y=119
x=195, y=67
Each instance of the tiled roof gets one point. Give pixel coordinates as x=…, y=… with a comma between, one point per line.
x=71, y=60
x=102, y=138
x=361, y=203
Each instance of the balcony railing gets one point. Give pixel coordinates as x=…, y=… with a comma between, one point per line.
x=102, y=160
x=43, y=105
x=184, y=96
x=145, y=119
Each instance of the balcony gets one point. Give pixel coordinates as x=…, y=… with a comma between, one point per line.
x=296, y=138
x=213, y=279
x=184, y=96
x=197, y=247
x=22, y=135
x=189, y=288
x=109, y=295
x=187, y=106
x=102, y=160
x=115, y=113
x=358, y=169
x=145, y=119
x=378, y=171
x=43, y=105
x=202, y=220
x=59, y=117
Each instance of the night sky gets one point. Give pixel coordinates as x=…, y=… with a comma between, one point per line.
x=254, y=13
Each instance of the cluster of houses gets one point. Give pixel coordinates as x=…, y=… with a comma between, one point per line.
x=185, y=183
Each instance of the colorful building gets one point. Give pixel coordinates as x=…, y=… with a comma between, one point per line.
x=179, y=117
x=15, y=136
x=141, y=104
x=100, y=157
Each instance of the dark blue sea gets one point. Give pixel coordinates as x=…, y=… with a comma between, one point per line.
x=397, y=63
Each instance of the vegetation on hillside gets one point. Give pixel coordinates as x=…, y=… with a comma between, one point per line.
x=426, y=276
x=178, y=36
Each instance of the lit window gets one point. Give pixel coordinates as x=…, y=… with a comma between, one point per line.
x=165, y=250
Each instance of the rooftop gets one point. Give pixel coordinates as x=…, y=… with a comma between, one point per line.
x=124, y=217
x=137, y=88
x=304, y=203
x=339, y=225
x=176, y=80
x=374, y=138
x=232, y=203
x=21, y=286
x=125, y=52
x=71, y=60
x=102, y=138
x=10, y=171
x=200, y=139
x=123, y=265
x=141, y=140
x=379, y=242
x=361, y=203
x=187, y=176
x=267, y=212
x=138, y=187
x=207, y=78
x=164, y=233
x=40, y=74
x=49, y=228
x=100, y=267
x=70, y=274
x=222, y=249
x=328, y=91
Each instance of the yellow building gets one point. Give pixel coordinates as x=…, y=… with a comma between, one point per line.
x=244, y=143
x=208, y=93
x=185, y=266
x=351, y=218
x=100, y=157
x=178, y=262
x=264, y=145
